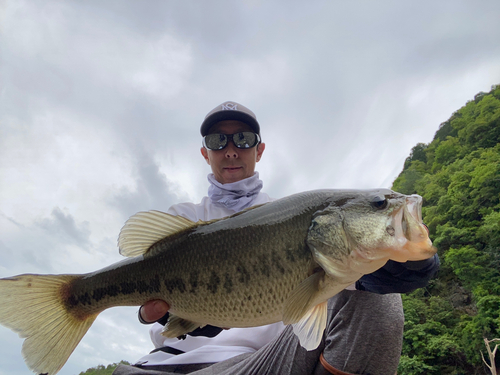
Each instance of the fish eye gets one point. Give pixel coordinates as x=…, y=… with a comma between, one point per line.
x=379, y=203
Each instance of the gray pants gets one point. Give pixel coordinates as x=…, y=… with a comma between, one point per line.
x=363, y=336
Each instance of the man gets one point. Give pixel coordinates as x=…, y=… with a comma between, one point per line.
x=365, y=323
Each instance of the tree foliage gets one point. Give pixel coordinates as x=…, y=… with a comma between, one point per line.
x=103, y=370
x=458, y=175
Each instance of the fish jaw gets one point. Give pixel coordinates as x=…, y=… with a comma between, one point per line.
x=410, y=234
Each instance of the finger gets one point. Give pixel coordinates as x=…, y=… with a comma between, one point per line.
x=153, y=310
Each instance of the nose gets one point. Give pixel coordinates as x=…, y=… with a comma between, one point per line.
x=231, y=151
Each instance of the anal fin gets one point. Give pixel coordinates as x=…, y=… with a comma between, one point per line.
x=176, y=327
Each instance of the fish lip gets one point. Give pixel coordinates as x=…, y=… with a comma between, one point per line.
x=412, y=214
x=414, y=204
x=410, y=233
x=405, y=218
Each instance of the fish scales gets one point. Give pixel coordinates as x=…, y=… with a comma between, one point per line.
x=234, y=272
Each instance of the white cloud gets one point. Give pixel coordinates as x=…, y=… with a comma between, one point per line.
x=164, y=67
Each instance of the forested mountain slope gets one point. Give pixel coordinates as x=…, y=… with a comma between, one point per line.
x=458, y=175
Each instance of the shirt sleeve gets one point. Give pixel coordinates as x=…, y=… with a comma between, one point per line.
x=396, y=277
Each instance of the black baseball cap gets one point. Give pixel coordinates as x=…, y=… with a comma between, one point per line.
x=229, y=111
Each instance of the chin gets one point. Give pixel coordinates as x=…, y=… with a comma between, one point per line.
x=230, y=180
x=233, y=178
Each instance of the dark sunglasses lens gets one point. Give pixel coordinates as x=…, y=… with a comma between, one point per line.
x=245, y=139
x=215, y=141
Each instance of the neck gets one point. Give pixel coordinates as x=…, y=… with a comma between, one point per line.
x=235, y=195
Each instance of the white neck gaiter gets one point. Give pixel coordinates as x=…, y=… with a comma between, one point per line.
x=236, y=195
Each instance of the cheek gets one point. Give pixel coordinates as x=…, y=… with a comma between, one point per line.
x=253, y=157
x=217, y=161
x=368, y=233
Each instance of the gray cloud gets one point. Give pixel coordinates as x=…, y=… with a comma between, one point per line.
x=152, y=190
x=64, y=226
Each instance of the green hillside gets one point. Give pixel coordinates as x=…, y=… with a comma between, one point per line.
x=458, y=175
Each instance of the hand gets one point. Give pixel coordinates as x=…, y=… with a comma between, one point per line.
x=153, y=310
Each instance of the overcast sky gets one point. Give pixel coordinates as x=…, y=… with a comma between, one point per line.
x=101, y=104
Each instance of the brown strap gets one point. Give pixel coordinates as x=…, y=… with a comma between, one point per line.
x=328, y=367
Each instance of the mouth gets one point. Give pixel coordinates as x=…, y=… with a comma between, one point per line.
x=232, y=169
x=413, y=228
x=410, y=232
x=414, y=205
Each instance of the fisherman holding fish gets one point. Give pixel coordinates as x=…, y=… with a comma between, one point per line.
x=364, y=320
x=327, y=264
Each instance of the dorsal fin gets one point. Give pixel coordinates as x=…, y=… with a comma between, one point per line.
x=144, y=229
x=247, y=209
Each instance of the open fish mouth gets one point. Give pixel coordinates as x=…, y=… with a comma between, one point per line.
x=414, y=205
x=412, y=219
x=410, y=232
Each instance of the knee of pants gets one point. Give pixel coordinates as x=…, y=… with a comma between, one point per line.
x=367, y=313
x=385, y=317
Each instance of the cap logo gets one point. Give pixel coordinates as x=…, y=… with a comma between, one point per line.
x=229, y=107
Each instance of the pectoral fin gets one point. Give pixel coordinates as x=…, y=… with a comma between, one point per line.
x=310, y=328
x=306, y=307
x=176, y=327
x=301, y=300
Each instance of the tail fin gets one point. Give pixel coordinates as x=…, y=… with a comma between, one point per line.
x=33, y=306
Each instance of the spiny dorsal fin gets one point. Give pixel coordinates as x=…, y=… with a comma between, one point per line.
x=144, y=229
x=247, y=209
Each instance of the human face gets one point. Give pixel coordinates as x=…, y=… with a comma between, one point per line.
x=232, y=164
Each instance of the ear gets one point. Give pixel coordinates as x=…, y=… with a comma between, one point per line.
x=260, y=150
x=204, y=152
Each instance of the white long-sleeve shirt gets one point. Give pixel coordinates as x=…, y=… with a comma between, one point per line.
x=226, y=344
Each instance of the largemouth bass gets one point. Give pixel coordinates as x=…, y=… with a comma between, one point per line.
x=277, y=262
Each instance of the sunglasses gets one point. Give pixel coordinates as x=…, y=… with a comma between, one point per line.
x=240, y=140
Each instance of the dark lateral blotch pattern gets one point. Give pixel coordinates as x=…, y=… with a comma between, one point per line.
x=126, y=287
